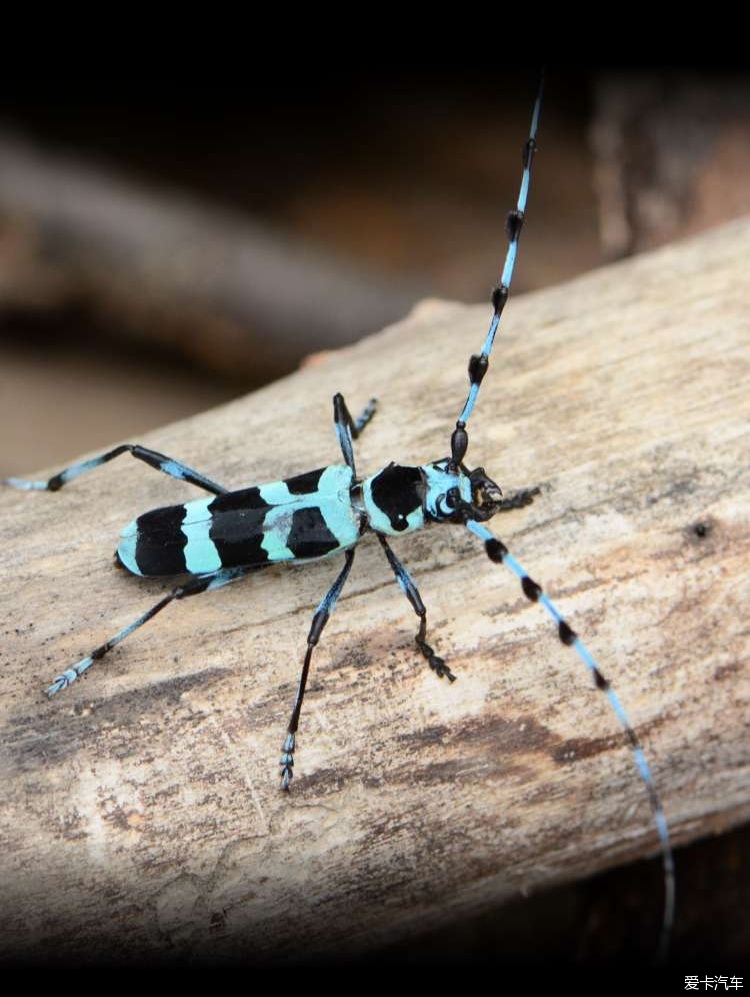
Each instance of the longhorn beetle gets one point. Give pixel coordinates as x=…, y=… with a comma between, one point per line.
x=318, y=514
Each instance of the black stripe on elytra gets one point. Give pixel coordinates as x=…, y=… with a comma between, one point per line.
x=160, y=546
x=397, y=491
x=246, y=498
x=238, y=538
x=304, y=484
x=309, y=535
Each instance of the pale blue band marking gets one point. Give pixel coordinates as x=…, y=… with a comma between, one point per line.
x=550, y=607
x=510, y=263
x=63, y=680
x=535, y=115
x=482, y=532
x=127, y=547
x=27, y=486
x=77, y=469
x=175, y=469
x=225, y=577
x=201, y=555
x=490, y=339
x=276, y=527
x=522, y=197
x=514, y=566
x=526, y=179
x=466, y=412
x=277, y=493
x=584, y=653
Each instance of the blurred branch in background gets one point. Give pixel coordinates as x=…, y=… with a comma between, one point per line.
x=671, y=154
x=160, y=270
x=158, y=258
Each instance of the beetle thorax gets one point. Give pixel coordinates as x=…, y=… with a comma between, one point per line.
x=403, y=498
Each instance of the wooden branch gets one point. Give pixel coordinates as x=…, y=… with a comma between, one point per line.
x=142, y=809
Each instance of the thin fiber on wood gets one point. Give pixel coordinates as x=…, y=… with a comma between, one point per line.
x=141, y=810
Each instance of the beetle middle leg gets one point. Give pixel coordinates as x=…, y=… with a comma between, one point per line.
x=411, y=592
x=321, y=617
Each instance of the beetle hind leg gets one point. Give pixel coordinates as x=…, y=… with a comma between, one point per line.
x=321, y=617
x=200, y=583
x=159, y=461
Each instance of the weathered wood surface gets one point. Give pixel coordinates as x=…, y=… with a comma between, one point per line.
x=141, y=810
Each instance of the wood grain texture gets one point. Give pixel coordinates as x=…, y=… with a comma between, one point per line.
x=141, y=811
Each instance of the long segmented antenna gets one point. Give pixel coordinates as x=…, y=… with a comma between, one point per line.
x=498, y=552
x=513, y=225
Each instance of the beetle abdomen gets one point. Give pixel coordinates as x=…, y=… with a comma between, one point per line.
x=305, y=517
